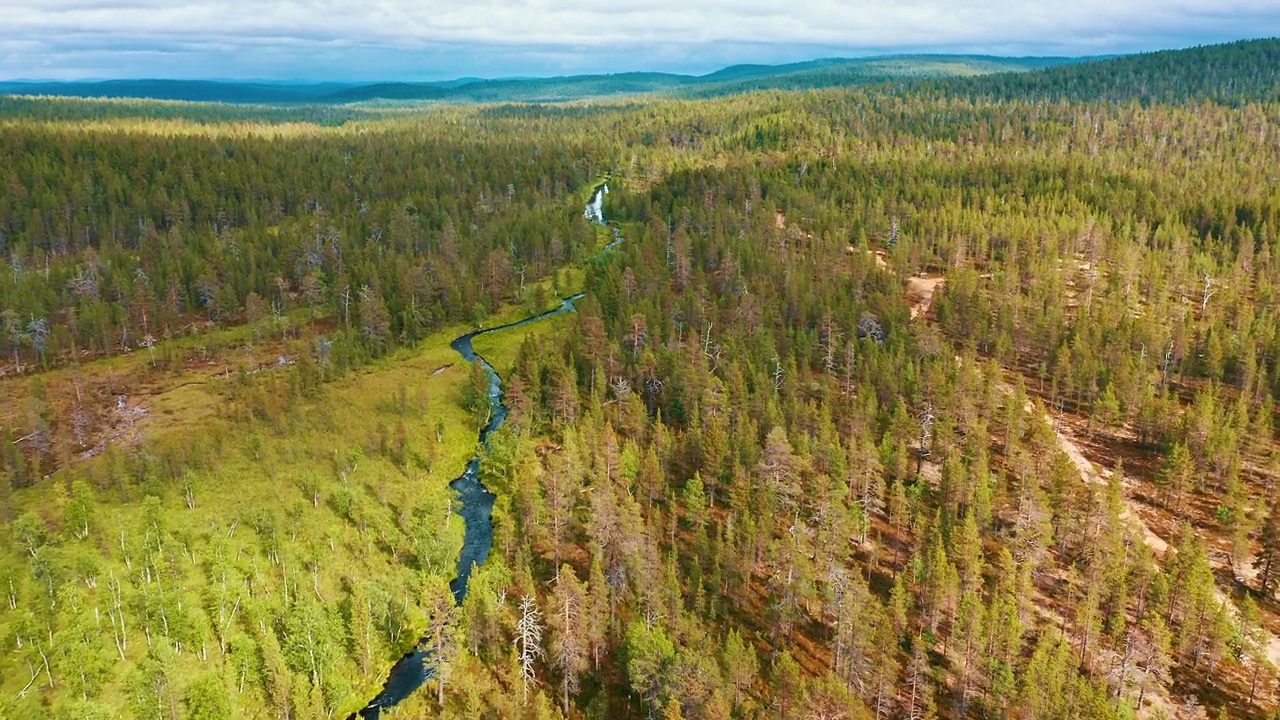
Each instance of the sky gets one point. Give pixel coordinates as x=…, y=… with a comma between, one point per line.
x=362, y=40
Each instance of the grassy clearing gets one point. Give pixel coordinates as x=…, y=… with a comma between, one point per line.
x=348, y=486
x=541, y=296
x=201, y=501
x=76, y=405
x=501, y=348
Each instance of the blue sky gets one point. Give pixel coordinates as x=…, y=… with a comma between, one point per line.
x=353, y=40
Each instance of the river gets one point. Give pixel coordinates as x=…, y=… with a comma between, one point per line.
x=414, y=669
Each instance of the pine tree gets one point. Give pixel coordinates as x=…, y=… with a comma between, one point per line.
x=1268, y=558
x=440, y=637
x=569, y=646
x=970, y=639
x=650, y=655
x=1154, y=656
x=596, y=612
x=1252, y=642
x=786, y=684
x=740, y=664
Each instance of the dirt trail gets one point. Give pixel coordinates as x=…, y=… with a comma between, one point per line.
x=1129, y=514
x=919, y=294
x=1093, y=476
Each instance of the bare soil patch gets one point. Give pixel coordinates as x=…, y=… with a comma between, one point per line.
x=920, y=292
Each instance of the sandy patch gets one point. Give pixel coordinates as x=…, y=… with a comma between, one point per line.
x=920, y=294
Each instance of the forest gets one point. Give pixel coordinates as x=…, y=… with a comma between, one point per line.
x=931, y=399
x=297, y=96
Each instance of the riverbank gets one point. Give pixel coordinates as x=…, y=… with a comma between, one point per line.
x=475, y=501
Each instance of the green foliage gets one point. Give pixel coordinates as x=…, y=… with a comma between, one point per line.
x=775, y=509
x=28, y=532
x=152, y=683
x=650, y=655
x=208, y=699
x=475, y=395
x=1232, y=73
x=324, y=105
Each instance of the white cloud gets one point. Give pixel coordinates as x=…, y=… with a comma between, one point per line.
x=420, y=38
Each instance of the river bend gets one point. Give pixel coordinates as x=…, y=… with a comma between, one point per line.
x=416, y=667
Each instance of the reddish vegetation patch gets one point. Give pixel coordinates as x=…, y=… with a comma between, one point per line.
x=74, y=411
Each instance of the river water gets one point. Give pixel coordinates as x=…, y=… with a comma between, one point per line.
x=416, y=667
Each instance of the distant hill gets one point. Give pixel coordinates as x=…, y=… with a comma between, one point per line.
x=572, y=87
x=187, y=90
x=1248, y=70
x=745, y=72
x=388, y=91
x=827, y=72
x=737, y=78
x=79, y=109
x=842, y=72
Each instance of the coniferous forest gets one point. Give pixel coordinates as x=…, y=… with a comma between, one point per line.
x=934, y=398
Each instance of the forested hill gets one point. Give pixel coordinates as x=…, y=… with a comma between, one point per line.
x=188, y=90
x=1229, y=73
x=820, y=74
x=1232, y=73
x=739, y=78
x=73, y=109
x=573, y=87
x=898, y=402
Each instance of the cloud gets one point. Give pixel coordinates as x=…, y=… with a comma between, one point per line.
x=426, y=39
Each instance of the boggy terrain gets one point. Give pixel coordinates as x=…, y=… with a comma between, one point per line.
x=939, y=400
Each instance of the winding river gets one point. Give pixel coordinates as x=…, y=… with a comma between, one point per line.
x=416, y=667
